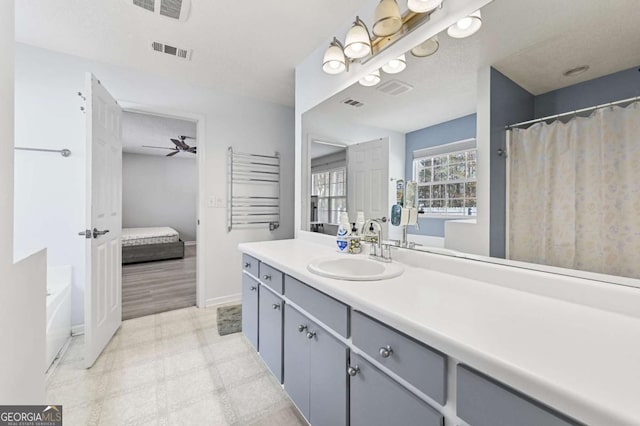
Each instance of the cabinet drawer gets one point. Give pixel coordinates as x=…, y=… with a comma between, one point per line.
x=378, y=400
x=328, y=310
x=250, y=264
x=481, y=401
x=271, y=277
x=423, y=367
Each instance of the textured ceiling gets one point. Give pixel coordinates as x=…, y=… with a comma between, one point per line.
x=144, y=129
x=532, y=43
x=247, y=48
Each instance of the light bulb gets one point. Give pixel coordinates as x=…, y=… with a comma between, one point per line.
x=370, y=79
x=466, y=26
x=357, y=43
x=464, y=23
x=395, y=66
x=423, y=6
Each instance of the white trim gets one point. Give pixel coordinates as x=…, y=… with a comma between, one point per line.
x=507, y=189
x=199, y=119
x=77, y=330
x=190, y=243
x=447, y=148
x=223, y=300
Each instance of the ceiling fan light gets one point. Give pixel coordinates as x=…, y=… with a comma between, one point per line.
x=387, y=18
x=423, y=6
x=334, y=61
x=426, y=48
x=370, y=79
x=395, y=66
x=357, y=43
x=467, y=26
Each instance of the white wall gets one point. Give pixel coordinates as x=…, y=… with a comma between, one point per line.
x=160, y=191
x=22, y=286
x=47, y=87
x=313, y=86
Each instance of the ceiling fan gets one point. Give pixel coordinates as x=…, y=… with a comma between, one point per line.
x=180, y=146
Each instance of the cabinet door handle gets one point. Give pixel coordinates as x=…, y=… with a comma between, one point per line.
x=247, y=265
x=353, y=371
x=276, y=306
x=311, y=334
x=266, y=277
x=253, y=288
x=302, y=328
x=385, y=352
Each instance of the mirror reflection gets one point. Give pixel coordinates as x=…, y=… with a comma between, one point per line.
x=526, y=130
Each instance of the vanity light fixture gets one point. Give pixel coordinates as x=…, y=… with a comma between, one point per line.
x=370, y=79
x=334, y=61
x=426, y=48
x=395, y=66
x=466, y=26
x=387, y=18
x=357, y=43
x=423, y=6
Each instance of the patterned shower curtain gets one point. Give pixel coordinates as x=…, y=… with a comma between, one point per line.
x=574, y=197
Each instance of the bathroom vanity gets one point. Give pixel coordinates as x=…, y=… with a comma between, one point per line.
x=434, y=348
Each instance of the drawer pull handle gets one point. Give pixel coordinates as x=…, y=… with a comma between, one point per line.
x=266, y=277
x=302, y=328
x=276, y=306
x=247, y=265
x=353, y=371
x=385, y=352
x=253, y=288
x=311, y=334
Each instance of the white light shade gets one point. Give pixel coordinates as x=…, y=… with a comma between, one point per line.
x=395, y=66
x=466, y=26
x=370, y=79
x=387, y=19
x=334, y=61
x=357, y=44
x=423, y=6
x=426, y=48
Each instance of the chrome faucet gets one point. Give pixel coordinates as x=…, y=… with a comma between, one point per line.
x=377, y=249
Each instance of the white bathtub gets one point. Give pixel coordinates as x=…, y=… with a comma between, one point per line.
x=58, y=310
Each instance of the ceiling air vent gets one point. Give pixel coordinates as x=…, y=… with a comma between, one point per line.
x=171, y=50
x=174, y=9
x=395, y=87
x=352, y=102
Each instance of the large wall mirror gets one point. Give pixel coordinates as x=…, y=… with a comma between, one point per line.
x=562, y=193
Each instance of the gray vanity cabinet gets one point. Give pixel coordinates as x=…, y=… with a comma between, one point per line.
x=250, y=309
x=270, y=313
x=315, y=370
x=376, y=399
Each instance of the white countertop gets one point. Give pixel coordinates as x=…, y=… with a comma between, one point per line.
x=582, y=361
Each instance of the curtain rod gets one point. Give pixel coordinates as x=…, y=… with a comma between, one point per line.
x=64, y=152
x=578, y=111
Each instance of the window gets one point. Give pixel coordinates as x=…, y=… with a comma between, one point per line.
x=330, y=186
x=446, y=181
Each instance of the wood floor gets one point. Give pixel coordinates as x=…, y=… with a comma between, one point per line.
x=154, y=287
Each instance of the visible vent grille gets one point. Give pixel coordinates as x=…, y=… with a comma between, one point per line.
x=145, y=4
x=352, y=102
x=171, y=8
x=395, y=87
x=171, y=50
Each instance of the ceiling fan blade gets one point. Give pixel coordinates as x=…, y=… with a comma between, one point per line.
x=173, y=153
x=186, y=137
x=158, y=147
x=177, y=143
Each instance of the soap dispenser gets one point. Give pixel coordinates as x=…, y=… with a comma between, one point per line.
x=344, y=231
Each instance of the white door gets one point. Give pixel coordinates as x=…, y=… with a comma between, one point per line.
x=103, y=295
x=368, y=179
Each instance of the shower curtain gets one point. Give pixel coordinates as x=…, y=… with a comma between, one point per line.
x=574, y=192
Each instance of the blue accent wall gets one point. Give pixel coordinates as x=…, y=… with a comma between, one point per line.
x=510, y=104
x=613, y=87
x=439, y=134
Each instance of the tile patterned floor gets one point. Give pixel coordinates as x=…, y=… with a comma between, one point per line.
x=170, y=369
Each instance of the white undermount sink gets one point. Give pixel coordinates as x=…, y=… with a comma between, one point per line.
x=354, y=268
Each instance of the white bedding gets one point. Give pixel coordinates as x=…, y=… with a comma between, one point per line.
x=144, y=236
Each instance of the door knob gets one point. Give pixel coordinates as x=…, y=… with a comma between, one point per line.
x=353, y=371
x=302, y=328
x=276, y=306
x=311, y=334
x=385, y=352
x=253, y=288
x=97, y=233
x=266, y=277
x=247, y=265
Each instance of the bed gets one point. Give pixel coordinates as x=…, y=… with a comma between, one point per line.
x=151, y=244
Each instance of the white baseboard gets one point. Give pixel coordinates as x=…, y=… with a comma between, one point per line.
x=77, y=330
x=217, y=301
x=190, y=243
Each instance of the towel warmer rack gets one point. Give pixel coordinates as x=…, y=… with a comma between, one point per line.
x=253, y=190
